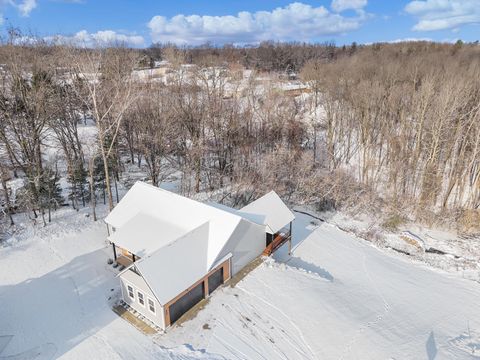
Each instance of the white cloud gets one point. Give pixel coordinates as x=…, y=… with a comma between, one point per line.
x=26, y=6
x=396, y=41
x=100, y=38
x=296, y=21
x=444, y=14
x=341, y=5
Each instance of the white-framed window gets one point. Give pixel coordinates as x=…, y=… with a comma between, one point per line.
x=141, y=298
x=131, y=293
x=151, y=305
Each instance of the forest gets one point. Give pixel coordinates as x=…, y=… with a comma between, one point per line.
x=392, y=130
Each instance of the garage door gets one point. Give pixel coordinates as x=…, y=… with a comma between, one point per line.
x=215, y=280
x=186, y=302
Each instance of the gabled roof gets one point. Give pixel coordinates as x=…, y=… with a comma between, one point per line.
x=141, y=236
x=271, y=210
x=156, y=217
x=178, y=265
x=178, y=239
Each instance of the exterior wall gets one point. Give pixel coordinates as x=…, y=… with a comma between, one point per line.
x=226, y=276
x=246, y=243
x=138, y=283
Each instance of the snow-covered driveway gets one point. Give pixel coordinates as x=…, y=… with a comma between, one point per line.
x=336, y=298
x=340, y=298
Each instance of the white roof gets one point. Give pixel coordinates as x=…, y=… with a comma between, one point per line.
x=146, y=213
x=179, y=240
x=270, y=210
x=175, y=267
x=255, y=218
x=144, y=233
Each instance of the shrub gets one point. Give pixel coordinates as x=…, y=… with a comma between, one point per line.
x=392, y=222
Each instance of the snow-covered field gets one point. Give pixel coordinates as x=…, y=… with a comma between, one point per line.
x=337, y=297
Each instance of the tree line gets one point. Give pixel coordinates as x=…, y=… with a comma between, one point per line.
x=391, y=128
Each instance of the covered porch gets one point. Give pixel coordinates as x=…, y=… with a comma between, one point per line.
x=272, y=212
x=122, y=256
x=275, y=241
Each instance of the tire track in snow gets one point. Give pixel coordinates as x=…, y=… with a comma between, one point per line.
x=386, y=306
x=263, y=333
x=298, y=347
x=232, y=349
x=279, y=329
x=241, y=338
x=312, y=353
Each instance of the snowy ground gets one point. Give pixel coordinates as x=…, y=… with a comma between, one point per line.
x=336, y=298
x=439, y=248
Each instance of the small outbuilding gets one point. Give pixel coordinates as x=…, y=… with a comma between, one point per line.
x=177, y=251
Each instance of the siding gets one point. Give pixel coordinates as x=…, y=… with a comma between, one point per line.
x=246, y=243
x=139, y=284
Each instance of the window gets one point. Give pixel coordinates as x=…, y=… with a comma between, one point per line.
x=141, y=299
x=131, y=294
x=151, y=305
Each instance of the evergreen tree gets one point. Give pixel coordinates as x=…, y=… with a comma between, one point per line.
x=50, y=191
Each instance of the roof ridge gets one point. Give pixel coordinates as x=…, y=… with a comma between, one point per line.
x=175, y=241
x=172, y=193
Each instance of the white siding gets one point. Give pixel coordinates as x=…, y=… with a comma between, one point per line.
x=246, y=243
x=139, y=284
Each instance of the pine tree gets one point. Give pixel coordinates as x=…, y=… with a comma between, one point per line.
x=50, y=191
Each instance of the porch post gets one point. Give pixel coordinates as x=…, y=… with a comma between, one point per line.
x=133, y=257
x=114, y=251
x=290, y=241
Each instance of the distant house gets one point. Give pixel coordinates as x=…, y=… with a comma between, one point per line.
x=177, y=251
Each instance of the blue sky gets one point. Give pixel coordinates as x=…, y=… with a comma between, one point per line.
x=194, y=22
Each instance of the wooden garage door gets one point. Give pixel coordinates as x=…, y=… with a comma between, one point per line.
x=186, y=302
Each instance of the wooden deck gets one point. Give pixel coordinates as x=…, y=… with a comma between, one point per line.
x=123, y=260
x=277, y=242
x=134, y=320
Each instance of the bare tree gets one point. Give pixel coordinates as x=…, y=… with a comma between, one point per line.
x=110, y=91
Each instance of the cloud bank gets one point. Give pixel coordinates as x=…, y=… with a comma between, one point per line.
x=294, y=22
x=444, y=14
x=100, y=38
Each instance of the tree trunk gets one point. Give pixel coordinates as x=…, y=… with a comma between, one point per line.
x=93, y=197
x=7, y=196
x=107, y=180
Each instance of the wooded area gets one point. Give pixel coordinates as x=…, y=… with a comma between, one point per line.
x=390, y=129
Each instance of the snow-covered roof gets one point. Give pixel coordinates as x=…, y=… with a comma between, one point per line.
x=255, y=218
x=271, y=210
x=175, y=267
x=156, y=217
x=178, y=239
x=141, y=235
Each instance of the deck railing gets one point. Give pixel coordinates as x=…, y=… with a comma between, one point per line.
x=278, y=241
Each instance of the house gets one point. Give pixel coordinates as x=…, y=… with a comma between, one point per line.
x=177, y=251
